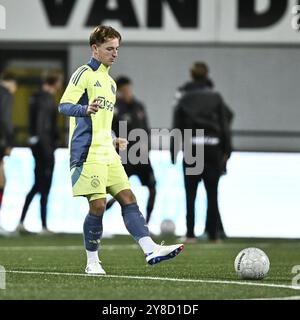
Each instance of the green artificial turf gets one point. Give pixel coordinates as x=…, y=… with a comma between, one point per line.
x=202, y=271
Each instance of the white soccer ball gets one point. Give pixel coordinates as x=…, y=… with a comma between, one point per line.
x=167, y=227
x=252, y=263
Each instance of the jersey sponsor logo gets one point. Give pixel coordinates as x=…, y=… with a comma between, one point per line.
x=78, y=74
x=105, y=104
x=97, y=84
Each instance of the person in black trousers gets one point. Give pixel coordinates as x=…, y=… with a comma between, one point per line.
x=43, y=137
x=199, y=106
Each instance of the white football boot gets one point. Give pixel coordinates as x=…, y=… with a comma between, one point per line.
x=161, y=253
x=94, y=267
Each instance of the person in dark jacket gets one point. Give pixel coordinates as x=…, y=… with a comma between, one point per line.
x=8, y=87
x=199, y=106
x=43, y=138
x=129, y=109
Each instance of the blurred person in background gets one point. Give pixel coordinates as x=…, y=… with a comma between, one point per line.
x=199, y=106
x=129, y=109
x=8, y=87
x=42, y=140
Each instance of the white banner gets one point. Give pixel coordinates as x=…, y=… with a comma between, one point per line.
x=248, y=209
x=269, y=22
x=180, y=21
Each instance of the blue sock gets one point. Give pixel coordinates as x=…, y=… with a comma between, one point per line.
x=92, y=231
x=134, y=221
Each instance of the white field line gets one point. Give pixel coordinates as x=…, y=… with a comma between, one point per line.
x=242, y=283
x=278, y=298
x=120, y=246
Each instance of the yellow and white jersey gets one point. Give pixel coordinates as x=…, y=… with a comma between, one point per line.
x=90, y=139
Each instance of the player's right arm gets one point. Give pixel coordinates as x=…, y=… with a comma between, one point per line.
x=71, y=103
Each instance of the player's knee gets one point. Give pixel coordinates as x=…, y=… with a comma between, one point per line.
x=97, y=207
x=125, y=197
x=130, y=197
